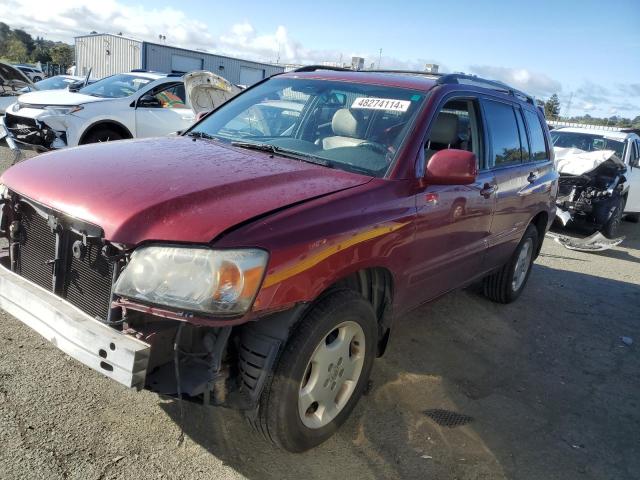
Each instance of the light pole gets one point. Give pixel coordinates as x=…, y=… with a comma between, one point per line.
x=379, y=58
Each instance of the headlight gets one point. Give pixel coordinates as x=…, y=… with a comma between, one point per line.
x=194, y=279
x=56, y=110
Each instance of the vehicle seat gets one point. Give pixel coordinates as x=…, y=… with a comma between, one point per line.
x=346, y=127
x=444, y=134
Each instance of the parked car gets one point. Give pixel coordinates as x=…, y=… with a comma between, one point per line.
x=35, y=74
x=12, y=83
x=264, y=268
x=127, y=105
x=63, y=82
x=599, y=176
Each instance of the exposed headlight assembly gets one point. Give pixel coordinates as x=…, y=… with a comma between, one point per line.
x=215, y=282
x=58, y=110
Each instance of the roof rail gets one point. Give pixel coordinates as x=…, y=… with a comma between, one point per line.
x=409, y=72
x=313, y=68
x=464, y=79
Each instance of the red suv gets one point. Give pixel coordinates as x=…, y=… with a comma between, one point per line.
x=259, y=260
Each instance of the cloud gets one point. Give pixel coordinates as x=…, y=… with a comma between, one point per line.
x=64, y=19
x=534, y=83
x=630, y=89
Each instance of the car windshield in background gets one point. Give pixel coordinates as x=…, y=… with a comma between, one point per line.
x=116, y=86
x=354, y=127
x=55, y=83
x=587, y=142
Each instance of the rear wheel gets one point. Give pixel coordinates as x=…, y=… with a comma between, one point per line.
x=632, y=217
x=506, y=285
x=321, y=374
x=36, y=79
x=102, y=135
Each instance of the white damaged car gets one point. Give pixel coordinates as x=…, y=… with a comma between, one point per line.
x=126, y=105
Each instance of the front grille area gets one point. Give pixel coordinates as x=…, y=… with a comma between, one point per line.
x=37, y=249
x=27, y=130
x=87, y=282
x=84, y=279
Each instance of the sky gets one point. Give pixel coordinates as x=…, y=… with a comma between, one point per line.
x=588, y=52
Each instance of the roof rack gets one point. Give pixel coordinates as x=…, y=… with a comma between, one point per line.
x=441, y=79
x=408, y=72
x=464, y=79
x=314, y=68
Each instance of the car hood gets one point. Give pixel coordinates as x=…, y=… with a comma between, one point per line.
x=13, y=78
x=57, y=97
x=207, y=91
x=170, y=189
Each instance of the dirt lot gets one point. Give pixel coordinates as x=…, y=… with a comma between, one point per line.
x=552, y=390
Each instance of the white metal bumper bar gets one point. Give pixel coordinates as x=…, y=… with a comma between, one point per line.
x=118, y=356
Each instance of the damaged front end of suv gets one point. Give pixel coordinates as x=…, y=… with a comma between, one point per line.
x=592, y=189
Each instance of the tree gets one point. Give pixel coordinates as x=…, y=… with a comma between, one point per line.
x=25, y=38
x=62, y=54
x=552, y=107
x=16, y=51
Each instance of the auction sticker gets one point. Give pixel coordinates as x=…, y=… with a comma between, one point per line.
x=371, y=103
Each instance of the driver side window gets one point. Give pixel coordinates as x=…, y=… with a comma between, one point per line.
x=173, y=96
x=456, y=126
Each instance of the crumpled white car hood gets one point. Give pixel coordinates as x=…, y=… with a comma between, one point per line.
x=573, y=161
x=207, y=91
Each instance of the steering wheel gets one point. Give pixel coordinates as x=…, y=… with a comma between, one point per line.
x=375, y=146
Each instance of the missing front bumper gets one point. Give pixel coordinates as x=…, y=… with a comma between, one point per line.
x=91, y=342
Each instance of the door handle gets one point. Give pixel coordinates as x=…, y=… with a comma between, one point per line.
x=533, y=176
x=487, y=190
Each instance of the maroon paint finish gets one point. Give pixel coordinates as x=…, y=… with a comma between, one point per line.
x=318, y=225
x=452, y=167
x=170, y=189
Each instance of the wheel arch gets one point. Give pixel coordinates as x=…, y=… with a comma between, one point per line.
x=121, y=128
x=540, y=221
x=376, y=285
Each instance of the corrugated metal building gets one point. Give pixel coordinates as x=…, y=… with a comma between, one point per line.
x=109, y=54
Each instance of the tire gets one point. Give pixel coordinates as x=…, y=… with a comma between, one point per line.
x=506, y=285
x=101, y=135
x=610, y=229
x=632, y=217
x=36, y=79
x=284, y=417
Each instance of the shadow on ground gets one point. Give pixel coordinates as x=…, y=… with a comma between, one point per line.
x=552, y=391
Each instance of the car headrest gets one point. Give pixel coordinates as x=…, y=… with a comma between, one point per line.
x=445, y=129
x=345, y=123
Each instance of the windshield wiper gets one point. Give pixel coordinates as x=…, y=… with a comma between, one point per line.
x=201, y=135
x=285, y=152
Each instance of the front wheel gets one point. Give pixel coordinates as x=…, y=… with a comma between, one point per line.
x=506, y=285
x=610, y=229
x=321, y=374
x=102, y=135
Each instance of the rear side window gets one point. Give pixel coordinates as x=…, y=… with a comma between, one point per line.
x=538, y=144
x=503, y=134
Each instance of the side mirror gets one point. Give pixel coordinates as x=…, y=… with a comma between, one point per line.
x=452, y=167
x=148, y=101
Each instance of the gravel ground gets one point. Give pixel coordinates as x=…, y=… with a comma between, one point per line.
x=551, y=390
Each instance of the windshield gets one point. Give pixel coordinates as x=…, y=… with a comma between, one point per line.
x=354, y=127
x=116, y=86
x=55, y=83
x=587, y=141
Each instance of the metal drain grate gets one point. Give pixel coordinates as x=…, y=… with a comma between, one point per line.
x=447, y=418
